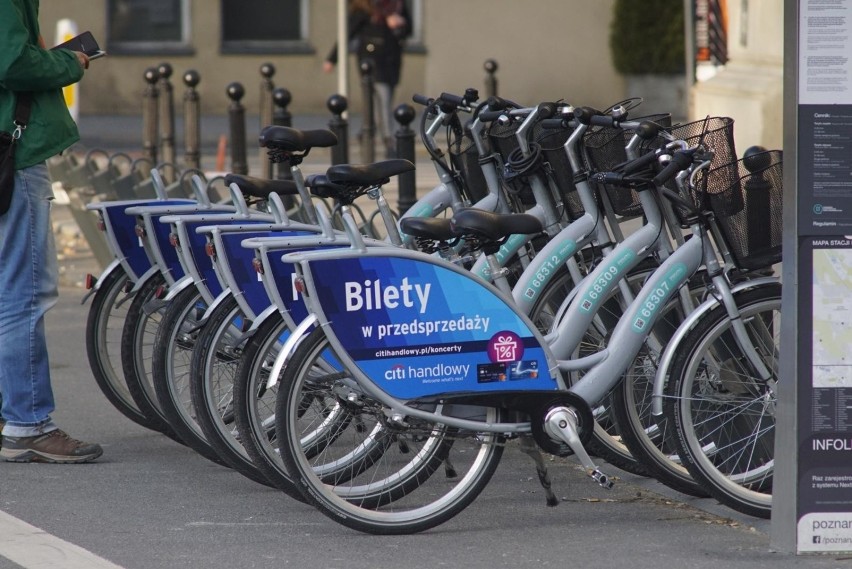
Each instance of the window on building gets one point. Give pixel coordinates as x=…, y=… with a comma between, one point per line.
x=415, y=10
x=148, y=26
x=265, y=26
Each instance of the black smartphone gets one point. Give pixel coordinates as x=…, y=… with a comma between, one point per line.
x=85, y=43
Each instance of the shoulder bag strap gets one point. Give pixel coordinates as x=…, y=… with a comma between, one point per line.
x=22, y=112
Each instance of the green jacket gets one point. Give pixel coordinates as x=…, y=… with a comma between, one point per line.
x=24, y=66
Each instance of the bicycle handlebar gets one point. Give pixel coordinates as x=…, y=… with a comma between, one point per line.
x=681, y=160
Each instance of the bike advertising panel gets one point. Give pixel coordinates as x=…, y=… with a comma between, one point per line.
x=418, y=329
x=824, y=389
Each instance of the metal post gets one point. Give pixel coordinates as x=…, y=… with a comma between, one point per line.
x=368, y=125
x=490, y=80
x=267, y=70
x=404, y=114
x=237, y=123
x=192, y=120
x=340, y=152
x=282, y=117
x=167, y=121
x=150, y=101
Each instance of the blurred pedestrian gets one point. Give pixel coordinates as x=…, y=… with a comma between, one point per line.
x=28, y=264
x=377, y=33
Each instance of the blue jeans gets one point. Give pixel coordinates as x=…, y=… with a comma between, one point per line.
x=28, y=289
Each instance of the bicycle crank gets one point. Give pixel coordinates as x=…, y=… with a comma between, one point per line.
x=567, y=423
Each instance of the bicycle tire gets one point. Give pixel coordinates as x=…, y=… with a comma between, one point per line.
x=211, y=385
x=649, y=438
x=711, y=404
x=107, y=314
x=137, y=339
x=254, y=411
x=254, y=405
x=391, y=496
x=172, y=352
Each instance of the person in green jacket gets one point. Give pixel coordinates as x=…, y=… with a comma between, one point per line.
x=28, y=264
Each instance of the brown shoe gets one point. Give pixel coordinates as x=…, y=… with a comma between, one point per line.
x=55, y=446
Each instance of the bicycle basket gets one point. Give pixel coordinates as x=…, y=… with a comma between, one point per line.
x=502, y=138
x=753, y=232
x=465, y=159
x=716, y=134
x=605, y=149
x=552, y=144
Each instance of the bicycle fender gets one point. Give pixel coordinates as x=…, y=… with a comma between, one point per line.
x=686, y=326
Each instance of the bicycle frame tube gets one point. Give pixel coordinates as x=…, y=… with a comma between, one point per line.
x=609, y=273
x=638, y=320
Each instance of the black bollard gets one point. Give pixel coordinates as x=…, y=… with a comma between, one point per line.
x=490, y=79
x=237, y=123
x=167, y=122
x=368, y=125
x=404, y=114
x=267, y=70
x=282, y=117
x=150, y=102
x=339, y=152
x=192, y=120
x=757, y=191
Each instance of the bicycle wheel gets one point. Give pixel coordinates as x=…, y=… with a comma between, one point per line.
x=396, y=490
x=649, y=438
x=174, y=343
x=723, y=415
x=137, y=342
x=254, y=411
x=107, y=314
x=254, y=403
x=211, y=386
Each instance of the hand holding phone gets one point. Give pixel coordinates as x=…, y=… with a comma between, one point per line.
x=84, y=43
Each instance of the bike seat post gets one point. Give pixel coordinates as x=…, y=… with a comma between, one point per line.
x=351, y=227
x=376, y=193
x=307, y=202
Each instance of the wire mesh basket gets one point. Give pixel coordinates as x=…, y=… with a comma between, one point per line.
x=605, y=149
x=503, y=139
x=745, y=197
x=716, y=134
x=465, y=159
x=552, y=145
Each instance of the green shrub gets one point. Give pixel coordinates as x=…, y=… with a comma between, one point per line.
x=646, y=36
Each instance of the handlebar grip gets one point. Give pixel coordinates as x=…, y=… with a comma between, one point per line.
x=554, y=124
x=602, y=120
x=584, y=114
x=454, y=100
x=546, y=110
x=422, y=100
x=495, y=103
x=680, y=161
x=608, y=178
x=490, y=116
x=648, y=130
x=640, y=163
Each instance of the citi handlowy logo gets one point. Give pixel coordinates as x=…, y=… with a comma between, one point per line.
x=400, y=372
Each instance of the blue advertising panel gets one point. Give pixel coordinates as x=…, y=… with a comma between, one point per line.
x=417, y=328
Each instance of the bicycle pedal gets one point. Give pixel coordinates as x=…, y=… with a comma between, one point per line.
x=602, y=479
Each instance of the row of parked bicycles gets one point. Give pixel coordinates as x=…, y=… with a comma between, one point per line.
x=580, y=282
